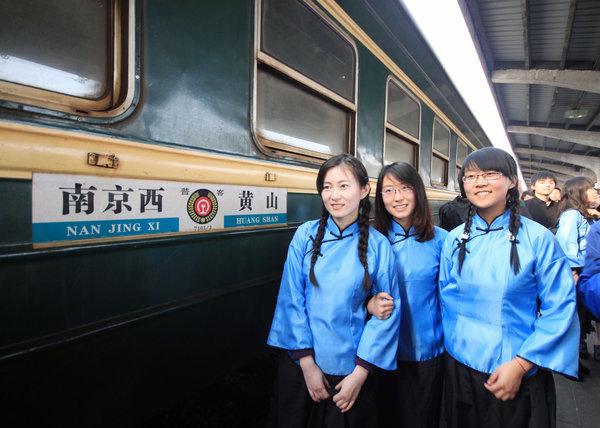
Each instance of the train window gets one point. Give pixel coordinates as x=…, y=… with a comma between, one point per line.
x=403, y=123
x=298, y=123
x=305, y=93
x=440, y=153
x=403, y=111
x=72, y=56
x=297, y=36
x=462, y=150
x=398, y=149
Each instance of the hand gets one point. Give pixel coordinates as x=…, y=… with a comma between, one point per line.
x=381, y=305
x=349, y=388
x=575, y=277
x=505, y=382
x=316, y=382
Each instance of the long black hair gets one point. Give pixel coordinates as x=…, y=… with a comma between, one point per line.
x=493, y=159
x=360, y=173
x=421, y=217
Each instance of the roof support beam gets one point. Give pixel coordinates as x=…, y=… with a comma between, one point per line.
x=588, y=162
x=563, y=177
x=560, y=178
x=559, y=169
x=580, y=80
x=591, y=123
x=527, y=61
x=525, y=24
x=586, y=138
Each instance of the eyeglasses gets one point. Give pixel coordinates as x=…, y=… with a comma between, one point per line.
x=487, y=176
x=390, y=191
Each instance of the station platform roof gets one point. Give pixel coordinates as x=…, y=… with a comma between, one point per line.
x=542, y=59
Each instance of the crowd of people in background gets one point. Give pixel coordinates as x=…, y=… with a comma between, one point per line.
x=569, y=213
x=404, y=323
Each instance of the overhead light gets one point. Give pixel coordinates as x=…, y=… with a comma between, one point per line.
x=575, y=114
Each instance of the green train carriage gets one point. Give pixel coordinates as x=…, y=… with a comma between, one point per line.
x=102, y=330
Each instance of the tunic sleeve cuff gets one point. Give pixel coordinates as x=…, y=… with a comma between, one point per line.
x=299, y=353
x=364, y=364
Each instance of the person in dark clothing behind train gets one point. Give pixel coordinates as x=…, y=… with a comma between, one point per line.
x=542, y=208
x=453, y=213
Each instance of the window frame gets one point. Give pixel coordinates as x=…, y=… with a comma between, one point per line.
x=459, y=165
x=397, y=132
x=123, y=79
x=305, y=83
x=435, y=153
x=460, y=141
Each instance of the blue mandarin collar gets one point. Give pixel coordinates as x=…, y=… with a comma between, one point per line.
x=333, y=229
x=397, y=233
x=330, y=319
x=501, y=221
x=417, y=264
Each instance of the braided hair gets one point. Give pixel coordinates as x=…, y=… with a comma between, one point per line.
x=492, y=159
x=317, y=244
x=362, y=177
x=421, y=217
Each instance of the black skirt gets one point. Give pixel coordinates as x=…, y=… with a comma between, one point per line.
x=410, y=397
x=292, y=407
x=466, y=403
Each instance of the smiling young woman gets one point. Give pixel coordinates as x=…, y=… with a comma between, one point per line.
x=342, y=195
x=403, y=214
x=333, y=265
x=487, y=191
x=496, y=344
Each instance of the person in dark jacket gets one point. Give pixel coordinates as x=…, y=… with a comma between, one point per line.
x=542, y=208
x=453, y=213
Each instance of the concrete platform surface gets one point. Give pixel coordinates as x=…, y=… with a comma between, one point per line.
x=578, y=403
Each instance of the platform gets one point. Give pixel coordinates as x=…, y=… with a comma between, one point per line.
x=578, y=403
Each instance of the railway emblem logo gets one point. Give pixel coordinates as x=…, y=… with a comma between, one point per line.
x=202, y=206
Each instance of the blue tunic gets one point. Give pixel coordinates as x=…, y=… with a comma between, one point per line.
x=571, y=233
x=588, y=286
x=417, y=264
x=331, y=318
x=489, y=314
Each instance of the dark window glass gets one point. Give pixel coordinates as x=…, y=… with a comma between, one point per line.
x=402, y=111
x=62, y=46
x=287, y=114
x=398, y=149
x=298, y=37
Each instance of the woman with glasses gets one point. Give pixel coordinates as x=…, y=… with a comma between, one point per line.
x=411, y=395
x=333, y=265
x=508, y=306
